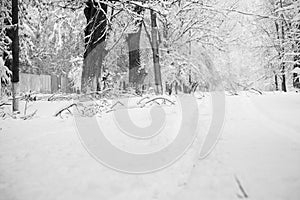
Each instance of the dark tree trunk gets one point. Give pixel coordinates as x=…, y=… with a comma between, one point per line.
x=133, y=42
x=283, y=83
x=95, y=36
x=136, y=74
x=279, y=54
x=169, y=88
x=280, y=36
x=276, y=83
x=15, y=55
x=190, y=53
x=155, y=51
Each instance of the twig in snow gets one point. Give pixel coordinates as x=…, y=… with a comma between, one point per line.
x=257, y=91
x=159, y=98
x=65, y=108
x=11, y=115
x=237, y=180
x=140, y=101
x=110, y=110
x=30, y=116
x=4, y=104
x=118, y=102
x=51, y=98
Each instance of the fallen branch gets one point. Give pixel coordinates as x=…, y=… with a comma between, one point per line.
x=127, y=108
x=118, y=102
x=4, y=104
x=245, y=195
x=193, y=87
x=65, y=108
x=140, y=101
x=51, y=98
x=159, y=98
x=257, y=91
x=2, y=115
x=110, y=110
x=30, y=116
x=231, y=93
x=11, y=115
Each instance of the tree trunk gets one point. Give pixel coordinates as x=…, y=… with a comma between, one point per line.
x=155, y=51
x=15, y=55
x=283, y=83
x=133, y=42
x=95, y=52
x=190, y=53
x=276, y=83
x=136, y=74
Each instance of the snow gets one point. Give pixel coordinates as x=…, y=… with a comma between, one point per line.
x=296, y=70
x=43, y=158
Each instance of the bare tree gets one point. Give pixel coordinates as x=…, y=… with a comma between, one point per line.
x=95, y=36
x=155, y=51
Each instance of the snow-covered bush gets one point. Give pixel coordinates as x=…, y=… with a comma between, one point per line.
x=4, y=74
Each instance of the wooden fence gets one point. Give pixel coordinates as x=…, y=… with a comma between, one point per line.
x=44, y=83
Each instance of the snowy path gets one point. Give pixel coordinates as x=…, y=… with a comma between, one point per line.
x=260, y=146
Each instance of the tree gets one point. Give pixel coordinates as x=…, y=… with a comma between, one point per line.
x=95, y=52
x=281, y=37
x=186, y=30
x=296, y=36
x=279, y=29
x=6, y=31
x=15, y=55
x=155, y=51
x=136, y=72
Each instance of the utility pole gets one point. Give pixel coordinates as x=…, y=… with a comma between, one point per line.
x=15, y=55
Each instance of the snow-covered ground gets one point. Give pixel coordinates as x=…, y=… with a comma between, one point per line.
x=257, y=156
